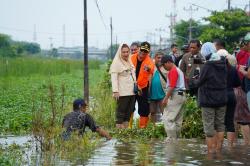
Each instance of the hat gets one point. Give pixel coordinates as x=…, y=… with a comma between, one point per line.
x=185, y=47
x=145, y=46
x=78, y=103
x=166, y=59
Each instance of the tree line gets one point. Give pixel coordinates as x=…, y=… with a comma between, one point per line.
x=11, y=48
x=228, y=25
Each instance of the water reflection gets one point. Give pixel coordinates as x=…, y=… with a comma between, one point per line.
x=155, y=152
x=184, y=152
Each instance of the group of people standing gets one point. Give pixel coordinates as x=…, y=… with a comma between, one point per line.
x=218, y=80
x=156, y=84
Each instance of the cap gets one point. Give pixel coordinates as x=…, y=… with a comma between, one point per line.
x=145, y=46
x=79, y=103
x=185, y=47
x=166, y=59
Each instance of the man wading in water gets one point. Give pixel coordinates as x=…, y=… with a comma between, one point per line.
x=78, y=119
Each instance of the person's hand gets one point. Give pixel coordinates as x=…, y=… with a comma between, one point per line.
x=242, y=69
x=116, y=95
x=147, y=68
x=139, y=91
x=165, y=102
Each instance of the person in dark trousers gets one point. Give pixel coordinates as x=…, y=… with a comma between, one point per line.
x=78, y=119
x=144, y=70
x=134, y=49
x=233, y=81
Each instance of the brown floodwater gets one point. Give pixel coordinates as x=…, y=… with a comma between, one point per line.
x=185, y=152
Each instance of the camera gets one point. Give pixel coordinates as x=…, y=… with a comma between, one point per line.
x=196, y=73
x=198, y=61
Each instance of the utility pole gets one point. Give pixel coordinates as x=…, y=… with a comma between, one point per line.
x=51, y=42
x=160, y=30
x=190, y=10
x=34, y=34
x=228, y=4
x=111, y=41
x=86, y=67
x=63, y=42
x=172, y=17
x=247, y=6
x=171, y=27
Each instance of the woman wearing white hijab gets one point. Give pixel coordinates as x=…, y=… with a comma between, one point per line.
x=123, y=79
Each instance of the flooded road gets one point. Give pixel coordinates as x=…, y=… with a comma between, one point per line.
x=185, y=152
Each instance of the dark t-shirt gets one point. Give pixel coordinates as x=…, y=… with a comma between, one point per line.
x=77, y=121
x=138, y=67
x=233, y=79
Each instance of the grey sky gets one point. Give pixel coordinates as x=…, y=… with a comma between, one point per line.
x=132, y=19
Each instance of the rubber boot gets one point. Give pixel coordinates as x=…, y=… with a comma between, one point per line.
x=143, y=122
x=131, y=121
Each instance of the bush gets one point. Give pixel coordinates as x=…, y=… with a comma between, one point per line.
x=192, y=126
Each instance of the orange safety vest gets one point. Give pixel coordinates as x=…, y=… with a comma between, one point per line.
x=144, y=76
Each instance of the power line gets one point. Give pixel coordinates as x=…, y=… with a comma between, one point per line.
x=74, y=34
x=190, y=10
x=100, y=13
x=209, y=10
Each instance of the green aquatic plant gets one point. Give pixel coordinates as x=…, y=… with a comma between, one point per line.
x=192, y=126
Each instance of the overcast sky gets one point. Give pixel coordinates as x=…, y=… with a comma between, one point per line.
x=132, y=19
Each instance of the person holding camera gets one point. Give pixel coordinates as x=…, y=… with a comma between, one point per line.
x=191, y=64
x=144, y=71
x=123, y=81
x=212, y=96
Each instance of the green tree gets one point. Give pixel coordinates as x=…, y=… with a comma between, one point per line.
x=29, y=48
x=182, y=31
x=54, y=52
x=10, y=48
x=5, y=41
x=6, y=49
x=228, y=25
x=114, y=50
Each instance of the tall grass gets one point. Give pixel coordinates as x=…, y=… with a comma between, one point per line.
x=26, y=66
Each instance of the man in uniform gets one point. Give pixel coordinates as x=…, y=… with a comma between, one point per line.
x=191, y=64
x=144, y=70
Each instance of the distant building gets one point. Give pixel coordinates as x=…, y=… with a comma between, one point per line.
x=77, y=53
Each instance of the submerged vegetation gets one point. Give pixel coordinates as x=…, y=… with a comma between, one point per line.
x=37, y=93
